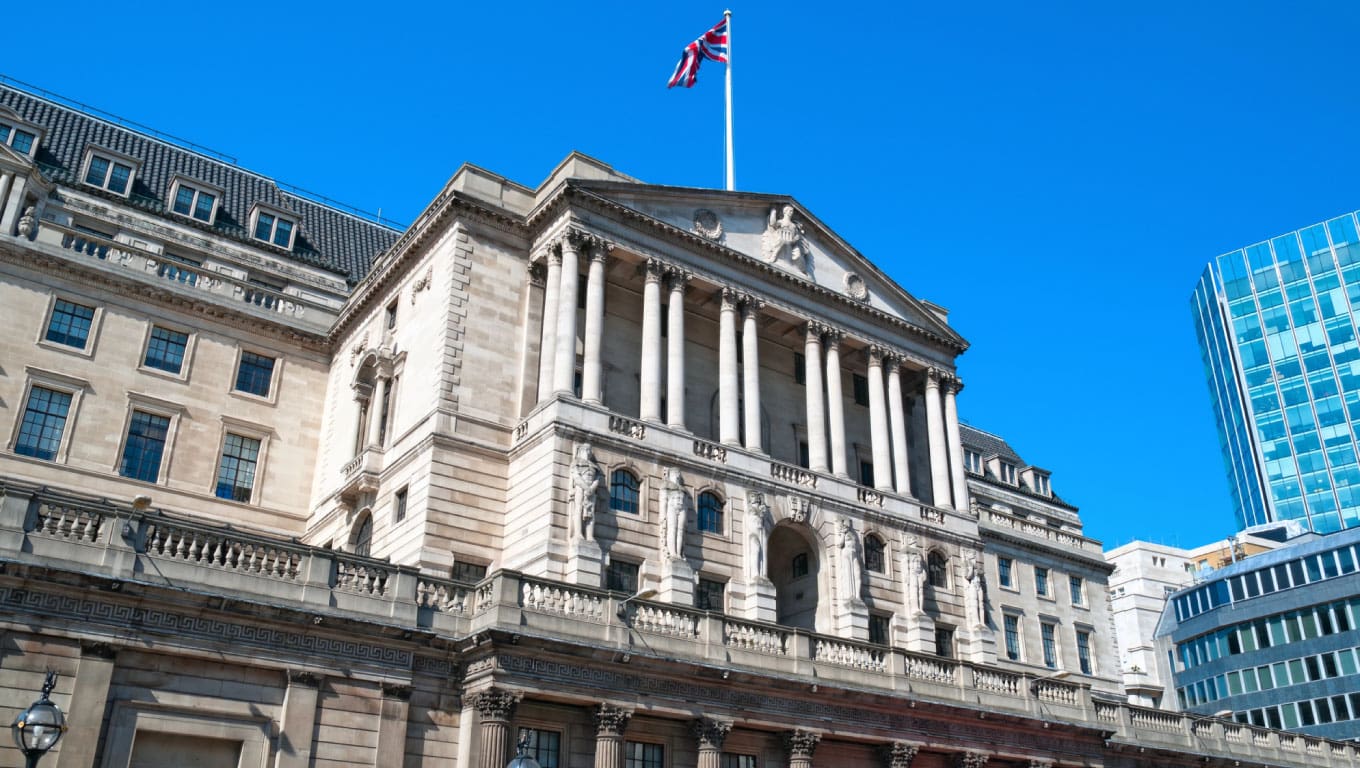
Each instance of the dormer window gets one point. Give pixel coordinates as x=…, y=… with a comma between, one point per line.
x=272, y=227
x=110, y=171
x=195, y=200
x=1007, y=473
x=18, y=139
x=1041, y=484
x=972, y=460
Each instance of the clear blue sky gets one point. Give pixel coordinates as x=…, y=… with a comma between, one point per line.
x=1056, y=174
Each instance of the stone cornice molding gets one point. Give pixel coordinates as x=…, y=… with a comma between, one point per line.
x=611, y=720
x=801, y=744
x=710, y=732
x=899, y=754
x=822, y=294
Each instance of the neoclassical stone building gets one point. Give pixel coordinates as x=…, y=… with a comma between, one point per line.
x=647, y=477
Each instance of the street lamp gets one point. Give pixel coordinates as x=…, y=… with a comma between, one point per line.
x=38, y=728
x=521, y=759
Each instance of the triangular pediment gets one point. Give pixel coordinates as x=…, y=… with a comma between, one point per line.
x=776, y=230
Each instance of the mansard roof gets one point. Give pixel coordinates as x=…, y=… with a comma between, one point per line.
x=328, y=237
x=988, y=444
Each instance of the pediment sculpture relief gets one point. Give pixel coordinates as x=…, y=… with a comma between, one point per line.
x=784, y=239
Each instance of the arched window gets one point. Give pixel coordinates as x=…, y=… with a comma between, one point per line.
x=710, y=512
x=363, y=535
x=873, y=554
x=623, y=492
x=937, y=569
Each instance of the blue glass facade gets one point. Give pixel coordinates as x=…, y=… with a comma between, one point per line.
x=1278, y=341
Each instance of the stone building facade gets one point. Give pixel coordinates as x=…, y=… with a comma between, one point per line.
x=650, y=477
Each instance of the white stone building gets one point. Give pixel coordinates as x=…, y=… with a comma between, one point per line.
x=649, y=476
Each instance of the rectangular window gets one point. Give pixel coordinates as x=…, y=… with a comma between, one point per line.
x=1008, y=473
x=194, y=202
x=804, y=458
x=1084, y=651
x=44, y=422
x=254, y=374
x=1012, y=637
x=799, y=565
x=944, y=642
x=165, y=350
x=545, y=747
x=636, y=754
x=866, y=473
x=145, y=445
x=1048, y=633
x=236, y=473
x=860, y=385
x=399, y=506
x=107, y=173
x=879, y=632
x=708, y=595
x=973, y=461
x=738, y=761
x=1075, y=586
x=70, y=324
x=1041, y=581
x=1003, y=571
x=621, y=576
x=391, y=316
x=470, y=572
x=17, y=138
x=799, y=368
x=274, y=229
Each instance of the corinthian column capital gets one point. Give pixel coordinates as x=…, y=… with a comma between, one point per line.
x=611, y=720
x=710, y=732
x=551, y=254
x=971, y=759
x=653, y=270
x=731, y=297
x=496, y=703
x=899, y=754
x=876, y=354
x=933, y=378
x=801, y=744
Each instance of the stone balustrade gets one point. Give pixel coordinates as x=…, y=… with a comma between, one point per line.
x=997, y=518
x=115, y=542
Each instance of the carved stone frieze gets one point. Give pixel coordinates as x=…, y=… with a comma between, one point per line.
x=800, y=744
x=423, y=282
x=710, y=733
x=495, y=703
x=784, y=239
x=899, y=754
x=611, y=720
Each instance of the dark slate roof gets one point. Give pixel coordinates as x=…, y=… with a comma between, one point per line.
x=987, y=444
x=328, y=237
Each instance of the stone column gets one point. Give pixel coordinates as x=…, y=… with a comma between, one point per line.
x=89, y=699
x=591, y=374
x=297, y=724
x=610, y=723
x=878, y=422
x=6, y=179
x=750, y=370
x=710, y=734
x=835, y=402
x=899, y=754
x=952, y=386
x=729, y=424
x=375, y=415
x=939, y=462
x=971, y=759
x=564, y=350
x=392, y=725
x=800, y=745
x=812, y=390
x=901, y=461
x=495, y=706
x=650, y=374
x=675, y=351
x=549, y=340
x=531, y=316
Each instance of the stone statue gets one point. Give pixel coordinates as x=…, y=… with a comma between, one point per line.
x=784, y=237
x=585, y=486
x=914, y=577
x=852, y=570
x=26, y=221
x=674, y=514
x=975, y=592
x=757, y=533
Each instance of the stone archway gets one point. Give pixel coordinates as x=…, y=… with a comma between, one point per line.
x=794, y=566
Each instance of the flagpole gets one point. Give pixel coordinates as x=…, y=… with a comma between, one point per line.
x=731, y=174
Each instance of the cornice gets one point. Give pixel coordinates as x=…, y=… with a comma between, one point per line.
x=697, y=242
x=1091, y=560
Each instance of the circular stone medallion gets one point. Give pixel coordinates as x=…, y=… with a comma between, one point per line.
x=707, y=224
x=855, y=287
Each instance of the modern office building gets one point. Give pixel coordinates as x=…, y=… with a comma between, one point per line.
x=1273, y=638
x=1277, y=335
x=645, y=476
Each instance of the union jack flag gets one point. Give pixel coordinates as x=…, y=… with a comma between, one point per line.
x=712, y=45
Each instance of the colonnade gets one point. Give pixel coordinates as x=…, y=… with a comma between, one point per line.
x=739, y=401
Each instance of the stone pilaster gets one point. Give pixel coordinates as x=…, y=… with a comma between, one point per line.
x=610, y=723
x=392, y=725
x=709, y=734
x=799, y=745
x=496, y=707
x=548, y=341
x=89, y=699
x=899, y=754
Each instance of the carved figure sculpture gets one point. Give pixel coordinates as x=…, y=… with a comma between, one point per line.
x=26, y=221
x=585, y=485
x=674, y=514
x=914, y=577
x=784, y=237
x=976, y=592
x=852, y=569
x=757, y=533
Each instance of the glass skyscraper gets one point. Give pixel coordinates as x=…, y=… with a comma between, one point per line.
x=1277, y=336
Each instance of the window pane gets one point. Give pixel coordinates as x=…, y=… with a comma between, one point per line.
x=1013, y=638
x=165, y=349
x=236, y=473
x=709, y=595
x=44, y=421
x=264, y=227
x=184, y=200
x=145, y=444
x=118, y=180
x=70, y=324
x=1003, y=568
x=545, y=747
x=23, y=141
x=1047, y=632
x=254, y=374
x=710, y=513
x=203, y=210
x=283, y=232
x=623, y=492
x=97, y=172
x=873, y=554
